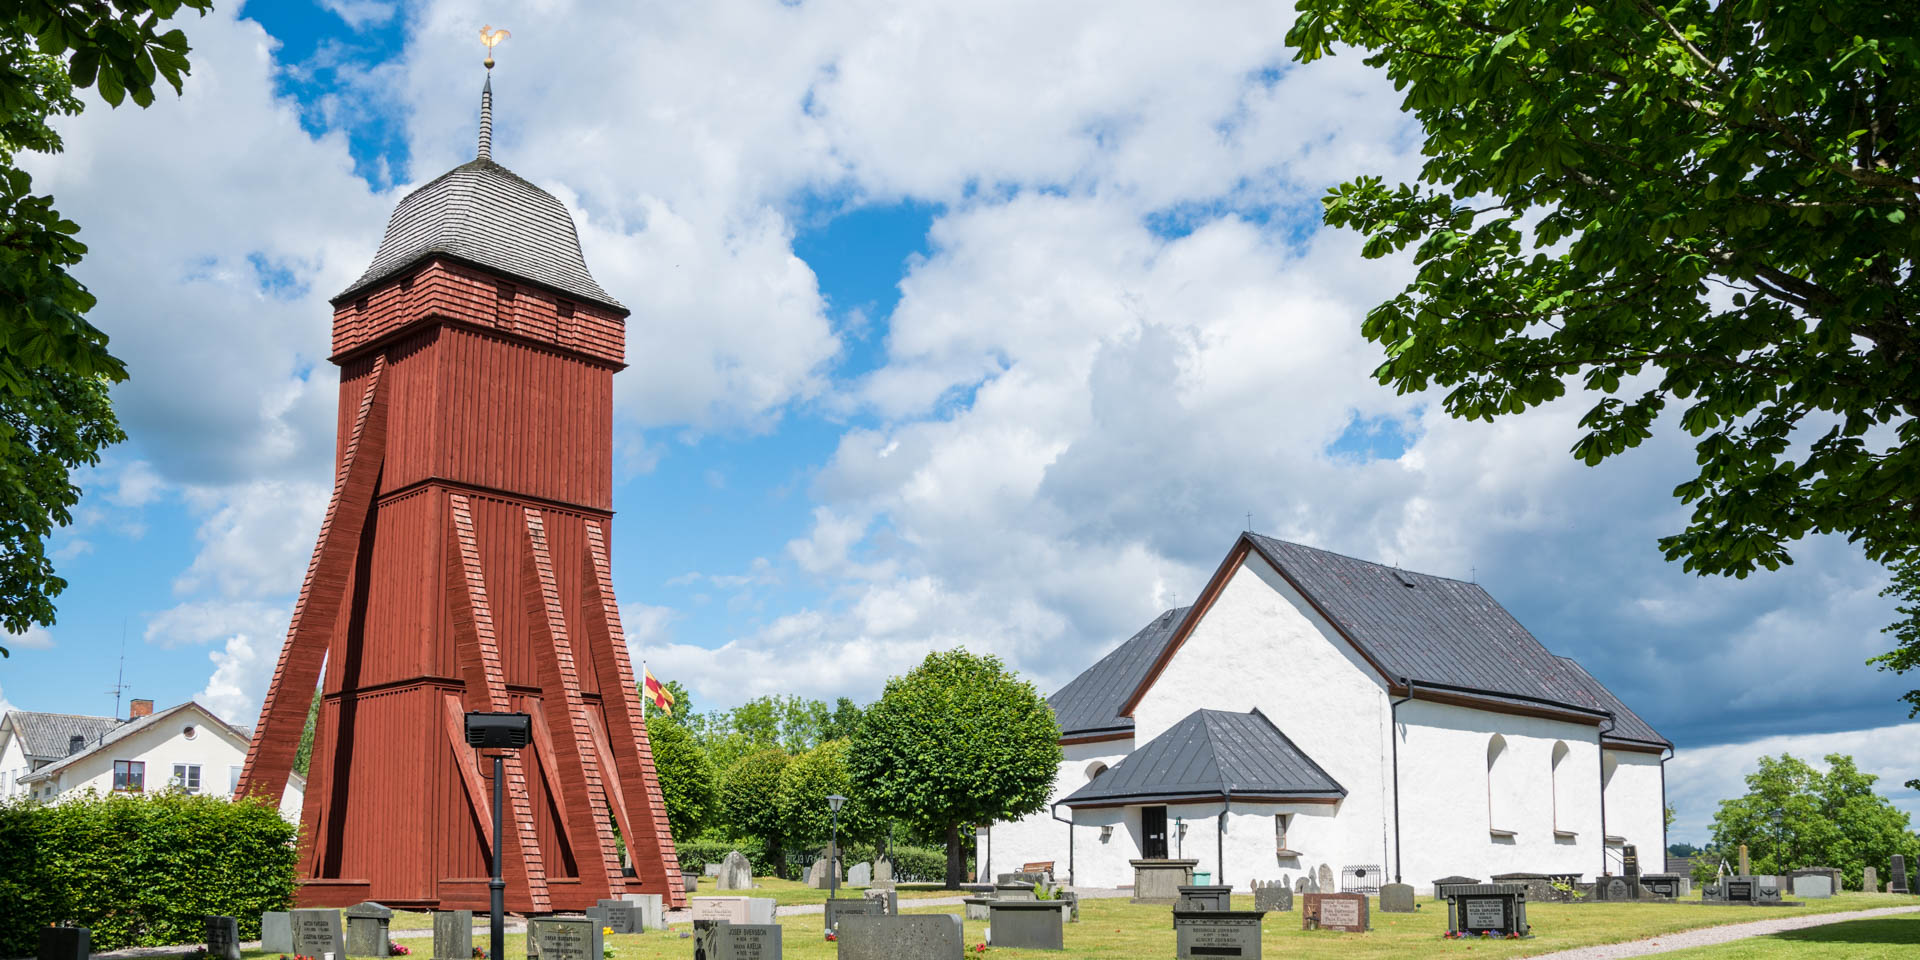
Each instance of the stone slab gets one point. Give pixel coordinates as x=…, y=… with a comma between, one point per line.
x=886, y=895
x=978, y=908
x=1209, y=897
x=1897, y=880
x=1870, y=879
x=1159, y=881
x=1216, y=933
x=1813, y=887
x=317, y=933
x=276, y=932
x=367, y=935
x=860, y=874
x=719, y=940
x=65, y=943
x=1028, y=924
x=1346, y=912
x=936, y=936
x=1274, y=895
x=733, y=909
x=837, y=908
x=566, y=938
x=736, y=873
x=651, y=909
x=453, y=935
x=622, y=915
x=223, y=937
x=1396, y=898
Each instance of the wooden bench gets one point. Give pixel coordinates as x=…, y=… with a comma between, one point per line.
x=1044, y=866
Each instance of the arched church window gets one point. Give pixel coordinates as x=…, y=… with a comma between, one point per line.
x=1499, y=813
x=1562, y=793
x=1095, y=769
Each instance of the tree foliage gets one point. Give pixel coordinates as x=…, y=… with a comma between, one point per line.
x=686, y=777
x=1714, y=205
x=55, y=370
x=750, y=795
x=1793, y=816
x=805, y=818
x=958, y=740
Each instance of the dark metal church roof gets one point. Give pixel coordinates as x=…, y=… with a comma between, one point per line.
x=1442, y=632
x=486, y=215
x=1211, y=753
x=1090, y=705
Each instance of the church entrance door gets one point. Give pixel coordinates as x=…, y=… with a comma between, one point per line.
x=1153, y=833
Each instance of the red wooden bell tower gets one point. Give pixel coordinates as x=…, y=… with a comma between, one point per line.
x=463, y=565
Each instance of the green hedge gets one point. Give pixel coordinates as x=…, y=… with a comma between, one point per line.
x=140, y=871
x=910, y=864
x=696, y=854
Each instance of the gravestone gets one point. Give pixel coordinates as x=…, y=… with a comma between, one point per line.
x=1664, y=885
x=1159, y=881
x=1630, y=861
x=886, y=895
x=1072, y=900
x=1440, y=885
x=1745, y=869
x=1813, y=886
x=1870, y=879
x=565, y=938
x=1215, y=933
x=733, y=909
x=978, y=908
x=65, y=943
x=1396, y=898
x=1028, y=877
x=817, y=874
x=276, y=932
x=1897, y=882
x=1271, y=896
x=735, y=873
x=1013, y=891
x=367, y=929
x=689, y=881
x=1196, y=899
x=223, y=937
x=1300, y=885
x=622, y=915
x=316, y=933
x=453, y=935
x=882, y=872
x=711, y=870
x=1750, y=889
x=1029, y=924
x=934, y=936
x=651, y=911
x=1614, y=888
x=1496, y=908
x=860, y=874
x=1346, y=912
x=718, y=940
x=840, y=907
x=1325, y=878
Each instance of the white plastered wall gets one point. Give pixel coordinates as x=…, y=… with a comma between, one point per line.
x=1261, y=645
x=1636, y=810
x=1038, y=837
x=13, y=765
x=1445, y=814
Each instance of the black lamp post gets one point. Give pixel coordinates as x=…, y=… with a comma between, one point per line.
x=498, y=732
x=834, y=801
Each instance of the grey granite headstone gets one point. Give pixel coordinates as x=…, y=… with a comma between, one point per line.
x=1396, y=898
x=1028, y=924
x=565, y=938
x=860, y=874
x=978, y=908
x=1870, y=879
x=689, y=881
x=718, y=940
x=367, y=929
x=1211, y=897
x=65, y=943
x=1013, y=891
x=735, y=872
x=1273, y=895
x=651, y=913
x=1216, y=933
x=276, y=932
x=839, y=907
x=1496, y=908
x=453, y=935
x=597, y=915
x=1897, y=880
x=710, y=870
x=935, y=936
x=1326, y=879
x=316, y=933
x=622, y=915
x=223, y=937
x=1301, y=885
x=1439, y=892
x=817, y=875
x=886, y=895
x=882, y=871
x=1813, y=887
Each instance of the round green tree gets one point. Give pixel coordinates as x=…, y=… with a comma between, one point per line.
x=1792, y=815
x=959, y=740
x=686, y=777
x=750, y=799
x=805, y=816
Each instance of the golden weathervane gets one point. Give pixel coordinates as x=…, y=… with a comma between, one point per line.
x=492, y=38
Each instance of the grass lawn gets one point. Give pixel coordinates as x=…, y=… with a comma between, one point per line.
x=1118, y=930
x=1882, y=938
x=787, y=893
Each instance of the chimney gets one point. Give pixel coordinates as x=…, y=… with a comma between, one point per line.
x=139, y=708
x=75, y=744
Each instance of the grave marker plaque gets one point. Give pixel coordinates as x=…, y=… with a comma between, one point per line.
x=1496, y=908
x=276, y=932
x=719, y=940
x=1665, y=885
x=838, y=907
x=566, y=938
x=1345, y=912
x=622, y=915
x=223, y=937
x=1216, y=933
x=453, y=935
x=1630, y=860
x=934, y=936
x=316, y=933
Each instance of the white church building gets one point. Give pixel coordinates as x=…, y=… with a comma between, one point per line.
x=1312, y=709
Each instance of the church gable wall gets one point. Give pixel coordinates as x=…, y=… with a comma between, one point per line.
x=1636, y=809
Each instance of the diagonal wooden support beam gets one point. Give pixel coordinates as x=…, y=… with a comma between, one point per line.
x=283, y=716
x=656, y=864
x=616, y=797
x=586, y=812
x=478, y=649
x=456, y=726
x=549, y=761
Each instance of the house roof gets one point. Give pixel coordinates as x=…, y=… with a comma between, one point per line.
x=130, y=728
x=1090, y=705
x=44, y=736
x=1211, y=753
x=486, y=215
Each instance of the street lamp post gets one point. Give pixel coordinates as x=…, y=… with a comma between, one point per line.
x=499, y=732
x=834, y=801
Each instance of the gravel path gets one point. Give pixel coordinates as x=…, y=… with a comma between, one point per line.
x=906, y=903
x=1708, y=936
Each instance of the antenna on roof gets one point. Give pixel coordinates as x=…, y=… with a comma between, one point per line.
x=1249, y=521
x=119, y=686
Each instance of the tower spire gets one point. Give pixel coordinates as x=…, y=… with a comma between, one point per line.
x=492, y=38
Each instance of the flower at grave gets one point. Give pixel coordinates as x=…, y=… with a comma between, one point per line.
x=607, y=930
x=396, y=950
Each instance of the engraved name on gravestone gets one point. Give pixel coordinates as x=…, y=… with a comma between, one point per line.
x=1630, y=860
x=276, y=932
x=838, y=907
x=740, y=941
x=566, y=938
x=223, y=937
x=1335, y=911
x=1216, y=933
x=453, y=935
x=622, y=915
x=316, y=933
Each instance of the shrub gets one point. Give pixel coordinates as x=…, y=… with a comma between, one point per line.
x=921, y=864
x=140, y=871
x=696, y=854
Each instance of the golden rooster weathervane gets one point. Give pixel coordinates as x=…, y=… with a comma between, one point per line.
x=492, y=38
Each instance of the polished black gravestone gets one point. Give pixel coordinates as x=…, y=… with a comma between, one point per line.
x=1215, y=933
x=223, y=937
x=1496, y=908
x=1897, y=881
x=65, y=943
x=1663, y=885
x=453, y=935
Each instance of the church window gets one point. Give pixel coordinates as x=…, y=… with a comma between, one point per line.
x=1562, y=792
x=1095, y=769
x=1499, y=811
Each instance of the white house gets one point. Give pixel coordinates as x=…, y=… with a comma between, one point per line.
x=1313, y=709
x=51, y=755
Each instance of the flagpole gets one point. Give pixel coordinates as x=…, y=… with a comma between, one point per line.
x=645, y=696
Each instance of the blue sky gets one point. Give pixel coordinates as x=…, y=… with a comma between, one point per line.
x=939, y=336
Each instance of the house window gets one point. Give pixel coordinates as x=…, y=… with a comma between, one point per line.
x=233, y=779
x=1498, y=812
x=1094, y=770
x=186, y=776
x=1280, y=823
x=188, y=731
x=130, y=775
